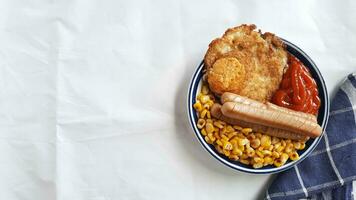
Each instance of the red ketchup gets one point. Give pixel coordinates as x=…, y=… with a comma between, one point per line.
x=298, y=90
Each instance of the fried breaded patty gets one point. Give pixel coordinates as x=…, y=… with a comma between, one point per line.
x=246, y=62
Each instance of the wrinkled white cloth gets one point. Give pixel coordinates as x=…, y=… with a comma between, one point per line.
x=93, y=93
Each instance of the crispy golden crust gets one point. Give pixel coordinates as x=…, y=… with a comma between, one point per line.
x=261, y=58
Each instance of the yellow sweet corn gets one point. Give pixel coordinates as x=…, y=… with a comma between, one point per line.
x=267, y=161
x=244, y=161
x=227, y=146
x=209, y=128
x=205, y=89
x=278, y=162
x=275, y=140
x=250, y=152
x=259, y=153
x=203, y=132
x=275, y=154
x=294, y=156
x=211, y=137
x=203, y=113
x=236, y=151
x=257, y=165
x=197, y=106
x=234, y=157
x=239, y=128
x=258, y=160
x=266, y=153
x=201, y=123
x=226, y=153
x=246, y=130
x=255, y=143
x=204, y=99
x=229, y=128
x=265, y=141
x=284, y=157
x=218, y=124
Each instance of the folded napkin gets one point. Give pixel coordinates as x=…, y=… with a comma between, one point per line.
x=330, y=169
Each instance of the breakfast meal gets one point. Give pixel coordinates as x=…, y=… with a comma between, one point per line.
x=258, y=103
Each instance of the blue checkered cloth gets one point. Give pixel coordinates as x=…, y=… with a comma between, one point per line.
x=329, y=171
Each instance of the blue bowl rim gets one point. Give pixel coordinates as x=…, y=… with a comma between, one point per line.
x=194, y=83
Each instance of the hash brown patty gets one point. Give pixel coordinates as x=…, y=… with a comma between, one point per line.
x=246, y=62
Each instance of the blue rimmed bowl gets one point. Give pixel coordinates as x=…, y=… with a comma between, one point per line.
x=323, y=115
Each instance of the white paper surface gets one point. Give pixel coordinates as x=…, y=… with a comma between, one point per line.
x=92, y=93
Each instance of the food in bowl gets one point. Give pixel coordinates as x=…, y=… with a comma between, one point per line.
x=258, y=103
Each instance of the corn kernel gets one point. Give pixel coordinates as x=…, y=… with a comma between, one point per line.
x=226, y=152
x=203, y=132
x=246, y=130
x=207, y=139
x=205, y=89
x=288, y=148
x=231, y=135
x=204, y=99
x=242, y=148
x=229, y=129
x=197, y=106
x=244, y=156
x=275, y=140
x=244, y=161
x=267, y=161
x=270, y=148
x=283, y=143
x=266, y=153
x=280, y=149
x=237, y=151
x=294, y=156
x=258, y=160
x=233, y=141
x=251, y=136
x=255, y=143
x=203, y=113
x=216, y=134
x=237, y=127
x=219, y=149
x=278, y=163
x=209, y=128
x=250, y=152
x=224, y=137
x=302, y=146
x=259, y=153
x=284, y=157
x=218, y=124
x=265, y=141
x=275, y=154
x=227, y=146
x=211, y=137
x=297, y=145
x=240, y=135
x=234, y=157
x=200, y=123
x=258, y=135
x=208, y=115
x=210, y=103
x=243, y=142
x=257, y=165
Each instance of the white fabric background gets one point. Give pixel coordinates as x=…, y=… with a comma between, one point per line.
x=92, y=93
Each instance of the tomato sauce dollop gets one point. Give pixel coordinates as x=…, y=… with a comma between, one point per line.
x=298, y=90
